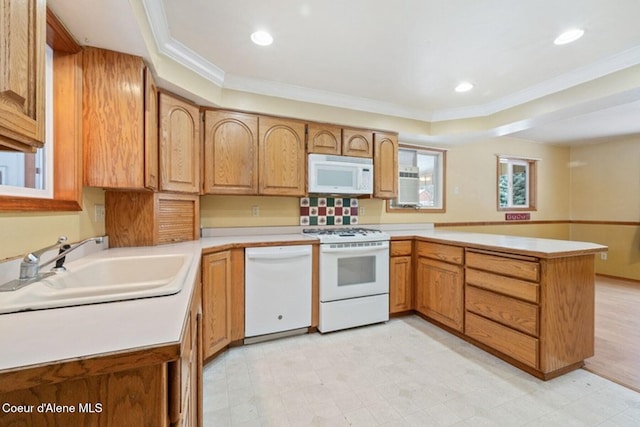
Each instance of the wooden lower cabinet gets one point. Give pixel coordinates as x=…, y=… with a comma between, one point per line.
x=400, y=277
x=439, y=285
x=222, y=300
x=439, y=292
x=147, y=387
x=133, y=397
x=185, y=374
x=538, y=312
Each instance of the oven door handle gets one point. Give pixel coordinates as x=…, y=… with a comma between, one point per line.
x=352, y=249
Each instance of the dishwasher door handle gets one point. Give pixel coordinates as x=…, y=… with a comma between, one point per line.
x=279, y=255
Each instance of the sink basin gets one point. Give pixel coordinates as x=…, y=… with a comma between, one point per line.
x=103, y=279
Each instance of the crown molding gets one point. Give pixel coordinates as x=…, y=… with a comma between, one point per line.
x=612, y=64
x=175, y=50
x=183, y=55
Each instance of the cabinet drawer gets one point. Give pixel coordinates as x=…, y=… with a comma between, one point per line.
x=511, y=312
x=447, y=253
x=400, y=248
x=514, y=344
x=509, y=266
x=517, y=288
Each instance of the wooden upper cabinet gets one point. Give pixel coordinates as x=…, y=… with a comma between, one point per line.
x=119, y=121
x=282, y=157
x=179, y=150
x=324, y=139
x=151, y=161
x=230, y=153
x=22, y=83
x=357, y=143
x=385, y=164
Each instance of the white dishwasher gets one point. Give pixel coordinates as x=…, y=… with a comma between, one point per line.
x=277, y=289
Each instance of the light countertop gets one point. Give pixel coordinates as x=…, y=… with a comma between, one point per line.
x=49, y=336
x=543, y=248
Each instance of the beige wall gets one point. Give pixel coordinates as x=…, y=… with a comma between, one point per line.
x=605, y=187
x=471, y=191
x=21, y=233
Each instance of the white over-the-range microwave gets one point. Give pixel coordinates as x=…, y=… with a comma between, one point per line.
x=330, y=174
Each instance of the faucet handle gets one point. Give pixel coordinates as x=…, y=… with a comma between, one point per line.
x=34, y=257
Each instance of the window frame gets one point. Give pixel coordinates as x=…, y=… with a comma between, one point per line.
x=67, y=156
x=531, y=182
x=442, y=160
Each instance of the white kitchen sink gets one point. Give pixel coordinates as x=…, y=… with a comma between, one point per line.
x=102, y=279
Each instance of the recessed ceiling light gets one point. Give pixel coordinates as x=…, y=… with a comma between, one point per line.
x=569, y=36
x=464, y=87
x=262, y=38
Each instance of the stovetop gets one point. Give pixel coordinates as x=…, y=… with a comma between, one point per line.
x=346, y=234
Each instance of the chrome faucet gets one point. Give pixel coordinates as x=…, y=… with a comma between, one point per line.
x=31, y=265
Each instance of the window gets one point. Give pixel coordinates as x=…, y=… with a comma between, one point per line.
x=420, y=180
x=516, y=183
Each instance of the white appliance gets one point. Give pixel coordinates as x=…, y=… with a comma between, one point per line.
x=408, y=185
x=354, y=277
x=340, y=174
x=277, y=289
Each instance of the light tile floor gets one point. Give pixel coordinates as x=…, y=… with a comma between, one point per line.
x=405, y=372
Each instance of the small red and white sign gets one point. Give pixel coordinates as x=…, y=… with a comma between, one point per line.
x=517, y=216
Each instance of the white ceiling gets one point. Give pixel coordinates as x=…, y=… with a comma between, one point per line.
x=401, y=58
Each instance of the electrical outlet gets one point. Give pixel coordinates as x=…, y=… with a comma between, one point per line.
x=603, y=256
x=361, y=210
x=255, y=210
x=98, y=213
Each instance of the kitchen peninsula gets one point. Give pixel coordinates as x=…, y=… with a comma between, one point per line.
x=529, y=301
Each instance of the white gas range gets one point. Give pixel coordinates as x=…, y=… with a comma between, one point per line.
x=354, y=277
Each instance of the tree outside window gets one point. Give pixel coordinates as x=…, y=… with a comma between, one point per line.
x=516, y=184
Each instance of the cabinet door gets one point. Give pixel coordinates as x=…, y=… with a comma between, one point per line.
x=179, y=145
x=282, y=157
x=185, y=385
x=230, y=153
x=22, y=83
x=216, y=302
x=113, y=119
x=150, y=131
x=385, y=164
x=400, y=289
x=440, y=291
x=324, y=139
x=357, y=143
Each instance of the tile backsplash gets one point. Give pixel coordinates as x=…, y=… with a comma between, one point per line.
x=328, y=211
